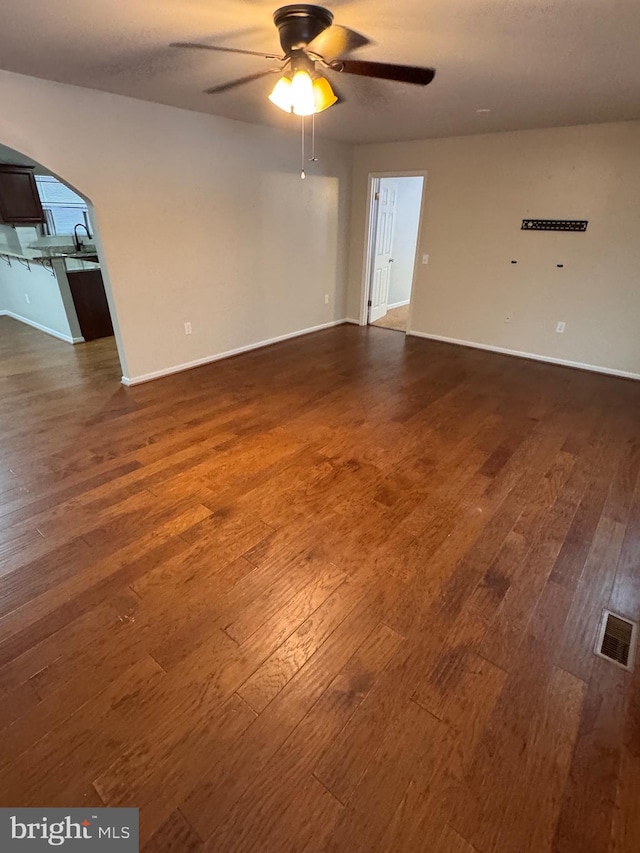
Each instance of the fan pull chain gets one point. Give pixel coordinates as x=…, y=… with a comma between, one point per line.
x=302, y=173
x=313, y=158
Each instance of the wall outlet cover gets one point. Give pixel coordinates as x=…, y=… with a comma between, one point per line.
x=561, y=327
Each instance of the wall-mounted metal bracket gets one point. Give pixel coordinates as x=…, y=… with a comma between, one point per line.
x=47, y=263
x=554, y=224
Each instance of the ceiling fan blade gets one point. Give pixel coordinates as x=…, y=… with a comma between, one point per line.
x=386, y=71
x=214, y=90
x=224, y=49
x=335, y=41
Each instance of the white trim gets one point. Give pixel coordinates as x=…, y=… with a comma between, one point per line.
x=398, y=304
x=373, y=184
x=563, y=362
x=60, y=335
x=188, y=365
x=354, y=321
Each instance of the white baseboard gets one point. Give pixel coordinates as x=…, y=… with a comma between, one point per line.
x=563, y=362
x=179, y=368
x=351, y=320
x=397, y=305
x=60, y=335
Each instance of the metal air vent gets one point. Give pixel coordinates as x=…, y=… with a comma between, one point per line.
x=617, y=639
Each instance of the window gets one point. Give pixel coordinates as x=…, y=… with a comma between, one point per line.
x=63, y=209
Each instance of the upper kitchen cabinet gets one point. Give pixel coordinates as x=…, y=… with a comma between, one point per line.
x=19, y=199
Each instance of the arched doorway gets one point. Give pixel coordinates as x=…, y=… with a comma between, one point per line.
x=53, y=274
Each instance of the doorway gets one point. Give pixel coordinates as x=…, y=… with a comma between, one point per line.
x=394, y=227
x=51, y=269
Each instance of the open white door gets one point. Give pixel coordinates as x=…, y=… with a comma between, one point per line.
x=382, y=258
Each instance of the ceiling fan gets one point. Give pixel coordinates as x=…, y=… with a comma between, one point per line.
x=309, y=39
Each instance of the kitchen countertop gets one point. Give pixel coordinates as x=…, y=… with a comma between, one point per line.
x=50, y=253
x=25, y=255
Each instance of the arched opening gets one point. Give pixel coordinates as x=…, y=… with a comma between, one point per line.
x=53, y=274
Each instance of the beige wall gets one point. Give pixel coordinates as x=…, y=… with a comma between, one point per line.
x=478, y=190
x=199, y=218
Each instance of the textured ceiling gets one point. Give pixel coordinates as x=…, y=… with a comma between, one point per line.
x=533, y=63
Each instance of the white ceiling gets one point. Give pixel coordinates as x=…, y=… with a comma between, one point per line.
x=533, y=63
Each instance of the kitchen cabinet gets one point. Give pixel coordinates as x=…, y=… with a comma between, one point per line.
x=19, y=199
x=90, y=300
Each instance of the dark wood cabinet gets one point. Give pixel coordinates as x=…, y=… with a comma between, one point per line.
x=90, y=300
x=19, y=199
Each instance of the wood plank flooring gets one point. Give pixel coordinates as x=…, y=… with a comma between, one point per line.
x=339, y=594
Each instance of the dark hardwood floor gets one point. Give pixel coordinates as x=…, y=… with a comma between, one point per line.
x=339, y=594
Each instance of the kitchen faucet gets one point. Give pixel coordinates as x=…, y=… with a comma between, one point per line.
x=76, y=240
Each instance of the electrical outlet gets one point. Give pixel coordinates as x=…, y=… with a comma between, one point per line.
x=326, y=299
x=187, y=328
x=561, y=327
x=425, y=259
x=508, y=318
x=26, y=299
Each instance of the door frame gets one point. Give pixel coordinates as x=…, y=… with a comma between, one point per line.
x=370, y=238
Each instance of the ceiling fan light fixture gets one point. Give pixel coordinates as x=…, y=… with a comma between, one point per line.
x=303, y=95
x=309, y=38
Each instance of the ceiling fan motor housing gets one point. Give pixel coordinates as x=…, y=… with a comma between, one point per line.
x=300, y=24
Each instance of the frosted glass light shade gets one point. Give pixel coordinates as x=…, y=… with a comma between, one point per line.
x=302, y=97
x=323, y=94
x=281, y=94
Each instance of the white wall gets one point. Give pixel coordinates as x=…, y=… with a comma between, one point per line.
x=45, y=309
x=477, y=192
x=409, y=197
x=200, y=218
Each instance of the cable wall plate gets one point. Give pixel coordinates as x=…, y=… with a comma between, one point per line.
x=554, y=224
